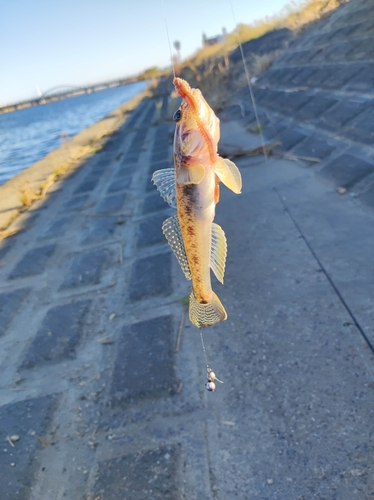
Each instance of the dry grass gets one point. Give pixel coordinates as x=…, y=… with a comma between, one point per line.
x=210, y=70
x=293, y=16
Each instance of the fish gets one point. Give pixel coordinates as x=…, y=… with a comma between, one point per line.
x=193, y=188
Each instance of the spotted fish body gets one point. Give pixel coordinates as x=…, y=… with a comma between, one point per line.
x=192, y=187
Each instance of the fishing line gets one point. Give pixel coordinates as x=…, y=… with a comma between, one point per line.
x=168, y=36
x=248, y=81
x=210, y=375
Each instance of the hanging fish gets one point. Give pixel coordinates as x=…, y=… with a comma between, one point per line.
x=192, y=187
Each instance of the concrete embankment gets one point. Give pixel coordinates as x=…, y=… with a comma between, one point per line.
x=317, y=99
x=33, y=183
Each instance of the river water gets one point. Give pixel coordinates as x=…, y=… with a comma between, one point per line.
x=27, y=135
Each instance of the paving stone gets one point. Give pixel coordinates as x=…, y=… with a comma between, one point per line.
x=101, y=229
x=343, y=32
x=302, y=76
x=159, y=166
x=112, y=203
x=154, y=202
x=164, y=107
x=76, y=203
x=88, y=184
x=319, y=54
x=58, y=336
x=368, y=197
x=10, y=302
x=160, y=154
x=132, y=157
x=86, y=269
x=99, y=170
x=273, y=40
x=102, y=164
x=314, y=147
x=290, y=102
x=28, y=220
x=160, y=146
x=319, y=76
x=125, y=170
x=33, y=262
x=144, y=475
x=346, y=170
x=120, y=184
x=150, y=277
x=266, y=96
x=281, y=76
x=272, y=131
x=340, y=76
x=150, y=232
x=162, y=132
x=285, y=75
x=363, y=129
x=141, y=133
x=144, y=365
x=315, y=107
x=286, y=58
x=363, y=50
x=57, y=228
x=5, y=246
x=289, y=138
x=267, y=77
x=299, y=57
x=341, y=52
x=363, y=81
x=23, y=419
x=113, y=143
x=341, y=114
x=360, y=15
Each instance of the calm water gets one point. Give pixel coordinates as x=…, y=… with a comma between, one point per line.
x=27, y=135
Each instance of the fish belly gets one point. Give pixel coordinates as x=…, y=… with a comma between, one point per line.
x=196, y=213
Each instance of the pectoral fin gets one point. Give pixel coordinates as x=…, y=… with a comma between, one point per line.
x=173, y=234
x=218, y=252
x=165, y=182
x=229, y=174
x=192, y=174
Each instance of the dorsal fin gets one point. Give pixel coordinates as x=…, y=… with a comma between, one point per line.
x=165, y=182
x=218, y=252
x=173, y=234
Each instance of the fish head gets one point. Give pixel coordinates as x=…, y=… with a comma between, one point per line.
x=197, y=127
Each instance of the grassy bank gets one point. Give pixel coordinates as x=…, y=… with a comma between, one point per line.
x=32, y=184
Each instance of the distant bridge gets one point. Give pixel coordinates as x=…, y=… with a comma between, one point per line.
x=60, y=92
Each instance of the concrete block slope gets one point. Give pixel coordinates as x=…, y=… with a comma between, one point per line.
x=323, y=85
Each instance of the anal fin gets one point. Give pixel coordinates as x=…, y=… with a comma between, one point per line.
x=173, y=234
x=218, y=252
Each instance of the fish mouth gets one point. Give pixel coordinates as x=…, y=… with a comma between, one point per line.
x=184, y=90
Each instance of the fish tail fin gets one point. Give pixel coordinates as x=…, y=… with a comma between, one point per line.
x=208, y=314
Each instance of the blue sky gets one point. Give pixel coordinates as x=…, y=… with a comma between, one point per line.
x=77, y=42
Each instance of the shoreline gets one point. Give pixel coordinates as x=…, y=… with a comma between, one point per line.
x=32, y=184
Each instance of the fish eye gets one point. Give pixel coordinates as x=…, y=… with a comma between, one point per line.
x=177, y=115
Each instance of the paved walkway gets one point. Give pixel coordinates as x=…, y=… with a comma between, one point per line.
x=102, y=376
